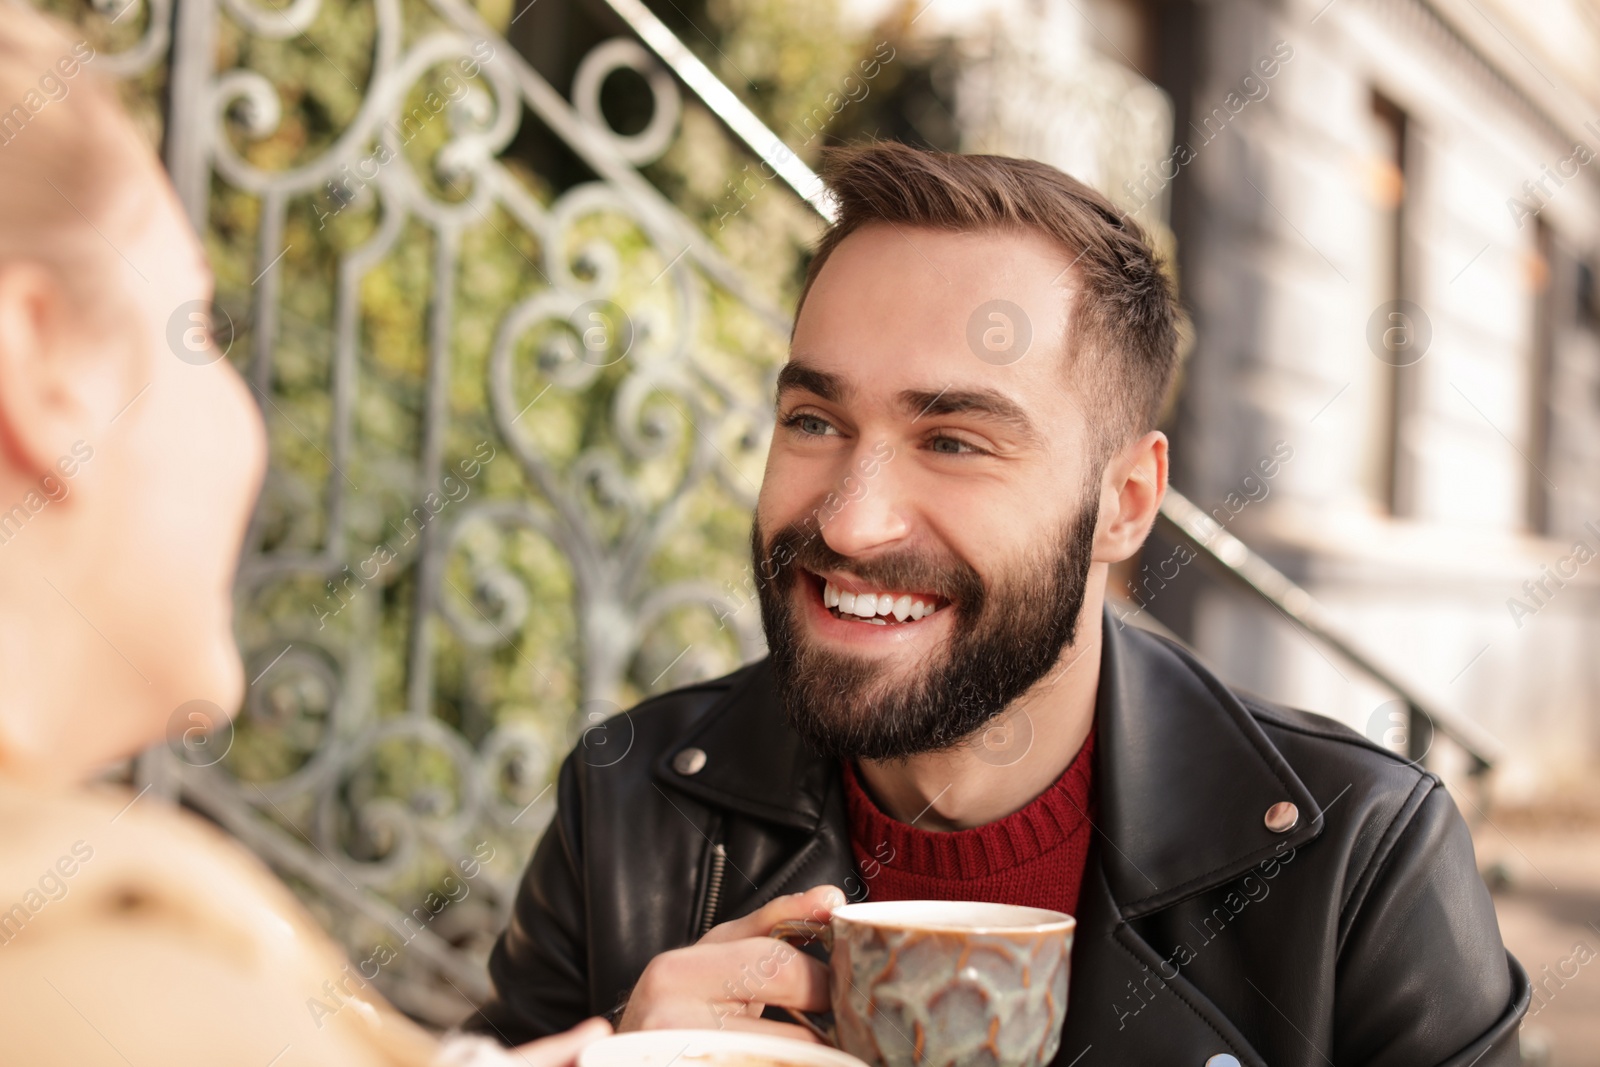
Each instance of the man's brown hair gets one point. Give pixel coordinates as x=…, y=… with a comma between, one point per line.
x=1122, y=324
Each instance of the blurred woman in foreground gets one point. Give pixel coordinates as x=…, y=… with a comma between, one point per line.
x=131, y=933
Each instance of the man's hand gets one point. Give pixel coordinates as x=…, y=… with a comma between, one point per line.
x=560, y=1050
x=728, y=977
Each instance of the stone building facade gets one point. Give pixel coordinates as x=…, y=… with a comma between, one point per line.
x=1385, y=220
x=1391, y=266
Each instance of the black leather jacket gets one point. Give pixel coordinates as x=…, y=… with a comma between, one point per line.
x=1363, y=935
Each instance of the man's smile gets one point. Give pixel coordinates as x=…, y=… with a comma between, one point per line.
x=877, y=605
x=844, y=604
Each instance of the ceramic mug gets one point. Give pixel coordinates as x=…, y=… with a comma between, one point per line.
x=709, y=1048
x=933, y=983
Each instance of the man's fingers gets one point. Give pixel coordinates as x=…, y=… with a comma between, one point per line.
x=734, y=965
x=816, y=903
x=753, y=968
x=562, y=1049
x=687, y=986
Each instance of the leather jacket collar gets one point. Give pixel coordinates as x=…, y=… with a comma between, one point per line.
x=1203, y=936
x=1183, y=777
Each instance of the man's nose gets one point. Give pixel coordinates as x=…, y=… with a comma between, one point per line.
x=870, y=514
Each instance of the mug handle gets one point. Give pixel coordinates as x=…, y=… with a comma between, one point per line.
x=800, y=932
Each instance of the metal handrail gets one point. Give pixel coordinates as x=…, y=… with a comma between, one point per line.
x=1238, y=561
x=740, y=120
x=1229, y=554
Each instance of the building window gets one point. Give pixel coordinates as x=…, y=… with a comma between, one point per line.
x=1541, y=420
x=1395, y=270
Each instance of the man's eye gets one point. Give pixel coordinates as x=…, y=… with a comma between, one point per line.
x=950, y=446
x=810, y=425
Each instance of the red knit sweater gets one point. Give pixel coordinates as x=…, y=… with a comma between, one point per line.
x=1034, y=856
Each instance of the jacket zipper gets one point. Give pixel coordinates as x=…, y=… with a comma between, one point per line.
x=708, y=913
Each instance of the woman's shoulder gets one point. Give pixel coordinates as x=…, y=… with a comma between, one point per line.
x=163, y=934
x=91, y=834
x=115, y=852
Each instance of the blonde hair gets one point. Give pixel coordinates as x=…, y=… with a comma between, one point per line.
x=71, y=160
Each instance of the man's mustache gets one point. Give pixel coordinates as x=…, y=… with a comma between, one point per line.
x=792, y=549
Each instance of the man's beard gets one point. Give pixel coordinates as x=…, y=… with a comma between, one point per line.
x=1005, y=638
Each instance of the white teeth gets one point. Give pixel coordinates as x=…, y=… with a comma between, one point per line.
x=874, y=607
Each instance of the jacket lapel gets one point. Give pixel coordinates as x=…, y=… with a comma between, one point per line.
x=1183, y=777
x=1121, y=1007
x=754, y=763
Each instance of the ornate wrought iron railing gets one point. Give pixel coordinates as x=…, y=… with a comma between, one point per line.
x=581, y=427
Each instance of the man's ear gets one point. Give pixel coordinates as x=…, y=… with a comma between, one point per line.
x=1130, y=496
x=48, y=389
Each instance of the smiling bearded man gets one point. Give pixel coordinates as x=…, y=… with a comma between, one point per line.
x=965, y=445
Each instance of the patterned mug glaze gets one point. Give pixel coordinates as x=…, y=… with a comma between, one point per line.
x=932, y=983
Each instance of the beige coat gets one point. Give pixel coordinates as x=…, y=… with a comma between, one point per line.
x=141, y=936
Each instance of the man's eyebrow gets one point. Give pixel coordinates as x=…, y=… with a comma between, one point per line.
x=830, y=387
x=987, y=403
